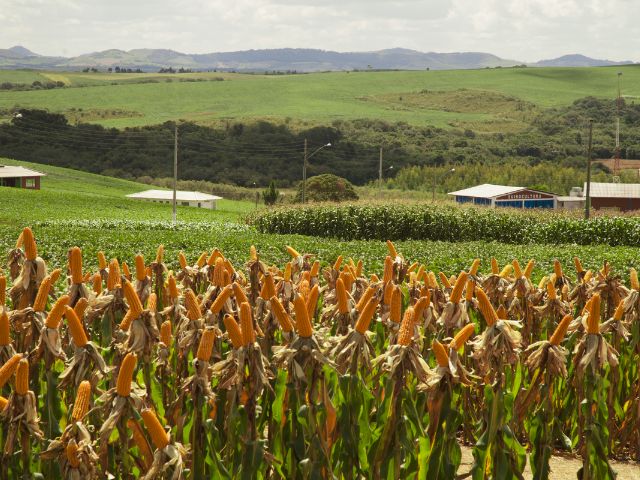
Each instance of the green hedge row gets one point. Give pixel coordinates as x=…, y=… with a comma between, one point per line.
x=447, y=223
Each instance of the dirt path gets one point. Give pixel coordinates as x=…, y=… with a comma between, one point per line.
x=563, y=468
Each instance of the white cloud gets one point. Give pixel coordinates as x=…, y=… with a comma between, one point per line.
x=519, y=29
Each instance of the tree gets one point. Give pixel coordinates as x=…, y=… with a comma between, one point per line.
x=271, y=194
x=327, y=188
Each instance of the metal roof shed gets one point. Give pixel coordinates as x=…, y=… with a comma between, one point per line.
x=184, y=198
x=505, y=196
x=19, y=177
x=614, y=196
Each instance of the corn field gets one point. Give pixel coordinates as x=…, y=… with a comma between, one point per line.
x=304, y=371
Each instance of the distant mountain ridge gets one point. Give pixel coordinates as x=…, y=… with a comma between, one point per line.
x=282, y=59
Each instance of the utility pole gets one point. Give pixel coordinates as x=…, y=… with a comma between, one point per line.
x=587, y=203
x=380, y=172
x=175, y=169
x=304, y=173
x=616, y=162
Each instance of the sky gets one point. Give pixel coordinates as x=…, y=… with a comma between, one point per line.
x=526, y=30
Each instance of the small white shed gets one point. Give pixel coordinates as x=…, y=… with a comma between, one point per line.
x=183, y=198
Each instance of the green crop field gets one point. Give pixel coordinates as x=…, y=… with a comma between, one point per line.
x=415, y=97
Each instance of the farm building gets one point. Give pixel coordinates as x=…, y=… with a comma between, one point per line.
x=614, y=196
x=505, y=196
x=187, y=199
x=19, y=177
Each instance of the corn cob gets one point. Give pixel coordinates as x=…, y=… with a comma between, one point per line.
x=473, y=271
x=239, y=293
x=347, y=279
x=58, y=309
x=19, y=241
x=593, y=321
x=5, y=331
x=517, y=270
x=587, y=276
x=125, y=375
x=165, y=333
x=246, y=324
x=444, y=280
x=29, y=244
x=229, y=266
x=433, y=281
x=366, y=315
x=76, y=329
x=619, y=313
x=412, y=267
x=421, y=305
x=501, y=312
x=75, y=265
x=158, y=434
x=578, y=264
x=468, y=291
x=253, y=253
x=551, y=291
x=6, y=371
x=388, y=292
x=141, y=269
x=81, y=405
x=152, y=302
x=71, y=451
x=405, y=333
x=529, y=268
x=3, y=290
x=635, y=285
x=495, y=269
x=113, y=279
x=487, y=310
x=557, y=269
x=303, y=324
x=81, y=307
x=22, y=377
x=442, y=357
x=387, y=274
x=312, y=301
x=215, y=254
x=135, y=305
x=281, y=315
x=55, y=275
x=395, y=306
x=127, y=320
x=287, y=272
x=293, y=252
x=102, y=261
x=462, y=336
x=192, y=304
x=141, y=442
x=456, y=293
x=366, y=296
x=268, y=287
x=3, y=403
x=173, y=288
x=504, y=273
x=160, y=254
x=338, y=263
x=218, y=272
x=393, y=253
x=220, y=300
x=205, y=347
x=97, y=284
x=374, y=278
x=202, y=260
x=359, y=267
x=420, y=273
x=315, y=269
x=182, y=260
x=341, y=295
x=233, y=329
x=43, y=293
x=543, y=282
x=561, y=330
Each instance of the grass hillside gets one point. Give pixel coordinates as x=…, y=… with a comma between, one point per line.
x=411, y=96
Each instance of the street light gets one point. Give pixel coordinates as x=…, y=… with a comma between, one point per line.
x=433, y=193
x=304, y=167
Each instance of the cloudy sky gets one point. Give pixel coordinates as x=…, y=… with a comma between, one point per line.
x=526, y=30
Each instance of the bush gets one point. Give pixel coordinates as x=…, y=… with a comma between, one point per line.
x=271, y=194
x=327, y=188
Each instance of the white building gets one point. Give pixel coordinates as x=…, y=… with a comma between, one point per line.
x=186, y=199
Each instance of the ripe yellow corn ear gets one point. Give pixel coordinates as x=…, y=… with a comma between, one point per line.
x=635, y=285
x=420, y=273
x=173, y=288
x=388, y=292
x=9, y=367
x=218, y=272
x=97, y=284
x=561, y=330
x=442, y=357
x=433, y=281
x=338, y=262
x=125, y=375
x=141, y=269
x=160, y=254
x=578, y=264
x=246, y=324
x=5, y=331
x=421, y=305
x=395, y=306
x=127, y=320
x=501, y=312
x=55, y=275
x=315, y=269
x=215, y=255
x=551, y=291
x=3, y=403
x=412, y=267
x=517, y=270
x=221, y=299
x=268, y=289
x=312, y=301
x=293, y=252
x=341, y=295
x=557, y=269
x=102, y=261
x=281, y=315
x=22, y=377
x=587, y=276
x=393, y=253
x=374, y=278
x=152, y=302
x=619, y=313
x=76, y=328
x=29, y=244
x=359, y=267
x=71, y=450
x=158, y=434
x=444, y=280
x=81, y=405
x=473, y=271
x=387, y=274
x=113, y=279
x=229, y=267
x=241, y=297
x=495, y=269
x=192, y=304
x=253, y=253
x=593, y=321
x=504, y=273
x=166, y=333
x=205, y=347
x=462, y=336
x=529, y=268
x=487, y=310
x=58, y=309
x=405, y=333
x=182, y=260
x=456, y=293
x=40, y=302
x=141, y=442
x=366, y=315
x=287, y=272
x=233, y=330
x=75, y=265
x=366, y=296
x=202, y=260
x=135, y=305
x=303, y=324
x=19, y=241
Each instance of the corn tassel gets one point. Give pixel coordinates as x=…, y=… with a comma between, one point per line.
x=205, y=347
x=29, y=244
x=81, y=405
x=141, y=442
x=125, y=375
x=221, y=299
x=58, y=309
x=456, y=293
x=303, y=324
x=22, y=377
x=71, y=451
x=158, y=434
x=40, y=302
x=233, y=330
x=246, y=325
x=341, y=295
x=405, y=333
x=561, y=330
x=442, y=357
x=462, y=336
x=9, y=367
x=487, y=310
x=192, y=305
x=5, y=331
x=76, y=329
x=593, y=321
x=281, y=315
x=75, y=265
x=166, y=333
x=366, y=315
